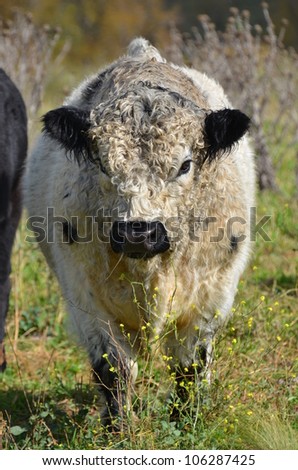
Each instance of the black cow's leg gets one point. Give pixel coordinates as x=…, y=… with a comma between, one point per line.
x=189, y=366
x=8, y=229
x=189, y=376
x=4, y=296
x=4, y=286
x=111, y=373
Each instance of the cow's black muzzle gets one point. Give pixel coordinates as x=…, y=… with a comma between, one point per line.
x=138, y=239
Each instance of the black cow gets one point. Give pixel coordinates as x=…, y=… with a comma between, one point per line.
x=13, y=151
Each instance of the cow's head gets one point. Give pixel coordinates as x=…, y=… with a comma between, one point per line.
x=149, y=146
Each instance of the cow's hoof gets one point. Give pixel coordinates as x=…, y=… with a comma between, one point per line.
x=111, y=423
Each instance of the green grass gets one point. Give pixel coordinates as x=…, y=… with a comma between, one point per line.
x=48, y=401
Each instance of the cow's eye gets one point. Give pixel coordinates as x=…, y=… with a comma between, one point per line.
x=185, y=167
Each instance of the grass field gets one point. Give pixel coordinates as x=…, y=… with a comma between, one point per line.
x=48, y=401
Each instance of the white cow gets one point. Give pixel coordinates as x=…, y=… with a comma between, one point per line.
x=139, y=191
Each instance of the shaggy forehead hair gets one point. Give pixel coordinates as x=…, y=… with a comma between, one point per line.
x=146, y=127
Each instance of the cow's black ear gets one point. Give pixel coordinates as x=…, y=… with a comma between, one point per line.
x=223, y=129
x=69, y=126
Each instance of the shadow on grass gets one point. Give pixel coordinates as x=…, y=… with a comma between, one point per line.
x=279, y=282
x=38, y=420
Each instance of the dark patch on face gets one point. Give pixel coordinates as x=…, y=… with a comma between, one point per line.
x=147, y=107
x=233, y=243
x=70, y=234
x=89, y=92
x=95, y=85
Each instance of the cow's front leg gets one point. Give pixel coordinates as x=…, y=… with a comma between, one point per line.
x=190, y=360
x=4, y=297
x=6, y=236
x=115, y=373
x=8, y=228
x=111, y=373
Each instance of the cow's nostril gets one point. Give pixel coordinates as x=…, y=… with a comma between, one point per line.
x=118, y=236
x=151, y=235
x=139, y=239
x=137, y=231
